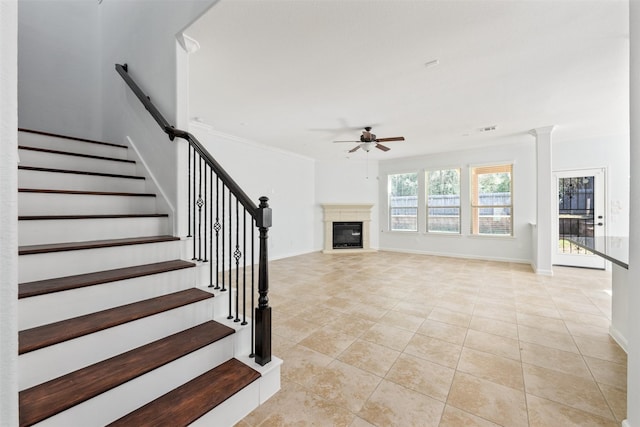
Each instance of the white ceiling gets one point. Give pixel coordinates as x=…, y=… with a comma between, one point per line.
x=298, y=74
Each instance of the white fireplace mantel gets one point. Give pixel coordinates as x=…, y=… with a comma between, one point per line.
x=349, y=212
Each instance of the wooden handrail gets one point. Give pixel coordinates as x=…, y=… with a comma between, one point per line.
x=172, y=132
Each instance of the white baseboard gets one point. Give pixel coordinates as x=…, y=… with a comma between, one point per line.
x=619, y=338
x=626, y=423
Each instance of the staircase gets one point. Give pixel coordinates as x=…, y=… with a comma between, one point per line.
x=114, y=326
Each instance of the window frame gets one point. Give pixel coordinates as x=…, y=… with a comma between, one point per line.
x=474, y=197
x=427, y=172
x=416, y=207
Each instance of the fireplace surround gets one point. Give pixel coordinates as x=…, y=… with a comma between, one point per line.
x=347, y=214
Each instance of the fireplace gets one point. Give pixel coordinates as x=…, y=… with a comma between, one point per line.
x=347, y=228
x=347, y=235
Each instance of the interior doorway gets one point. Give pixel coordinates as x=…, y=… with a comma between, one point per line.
x=579, y=213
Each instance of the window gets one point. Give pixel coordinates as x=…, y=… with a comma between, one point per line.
x=443, y=201
x=403, y=202
x=491, y=200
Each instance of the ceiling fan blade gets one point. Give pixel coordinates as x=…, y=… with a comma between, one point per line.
x=395, y=138
x=347, y=141
x=354, y=149
x=382, y=147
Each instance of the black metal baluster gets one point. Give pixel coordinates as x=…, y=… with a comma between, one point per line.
x=200, y=203
x=217, y=227
x=244, y=269
x=213, y=226
x=189, y=190
x=237, y=255
x=204, y=241
x=221, y=272
x=230, y=316
x=253, y=290
x=193, y=186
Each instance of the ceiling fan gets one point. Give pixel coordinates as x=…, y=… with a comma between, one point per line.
x=369, y=140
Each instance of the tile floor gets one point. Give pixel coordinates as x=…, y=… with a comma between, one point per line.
x=390, y=339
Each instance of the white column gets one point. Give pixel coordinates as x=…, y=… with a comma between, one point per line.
x=633, y=355
x=545, y=201
x=9, y=213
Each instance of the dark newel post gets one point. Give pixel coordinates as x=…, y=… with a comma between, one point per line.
x=263, y=311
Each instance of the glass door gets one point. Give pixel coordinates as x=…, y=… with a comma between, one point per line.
x=580, y=214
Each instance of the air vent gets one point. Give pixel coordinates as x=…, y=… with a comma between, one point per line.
x=488, y=128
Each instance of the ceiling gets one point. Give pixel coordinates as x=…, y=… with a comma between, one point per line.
x=298, y=74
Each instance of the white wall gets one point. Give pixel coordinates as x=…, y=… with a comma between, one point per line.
x=286, y=179
x=516, y=249
x=633, y=357
x=346, y=181
x=9, y=213
x=59, y=67
x=142, y=33
x=611, y=153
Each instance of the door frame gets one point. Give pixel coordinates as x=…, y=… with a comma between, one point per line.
x=600, y=209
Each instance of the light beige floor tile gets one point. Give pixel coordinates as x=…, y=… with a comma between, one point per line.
x=454, y=417
x=495, y=327
x=370, y=357
x=578, y=393
x=295, y=329
x=350, y=325
x=359, y=422
x=497, y=369
x=494, y=344
x=617, y=400
x=538, y=310
x=388, y=336
x=368, y=312
x=578, y=329
x=328, y=341
x=546, y=413
x=496, y=311
x=300, y=363
x=601, y=348
x=434, y=350
x=413, y=308
x=344, y=385
x=605, y=372
x=422, y=376
x=540, y=322
x=494, y=402
x=554, y=359
x=394, y=405
x=443, y=331
x=295, y=406
x=402, y=321
x=557, y=340
x=452, y=317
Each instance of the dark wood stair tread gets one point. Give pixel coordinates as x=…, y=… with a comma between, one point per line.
x=58, y=284
x=64, y=330
x=84, y=192
x=73, y=138
x=92, y=244
x=111, y=216
x=44, y=400
x=69, y=171
x=190, y=401
x=71, y=153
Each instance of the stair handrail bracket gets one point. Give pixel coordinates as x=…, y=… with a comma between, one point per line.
x=217, y=207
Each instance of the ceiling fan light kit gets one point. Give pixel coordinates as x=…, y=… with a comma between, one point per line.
x=369, y=140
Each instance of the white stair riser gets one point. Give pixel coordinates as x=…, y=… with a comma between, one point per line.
x=83, y=204
x=115, y=403
x=51, y=362
x=49, y=308
x=71, y=181
x=68, y=263
x=63, y=161
x=62, y=144
x=37, y=232
x=232, y=410
x=243, y=345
